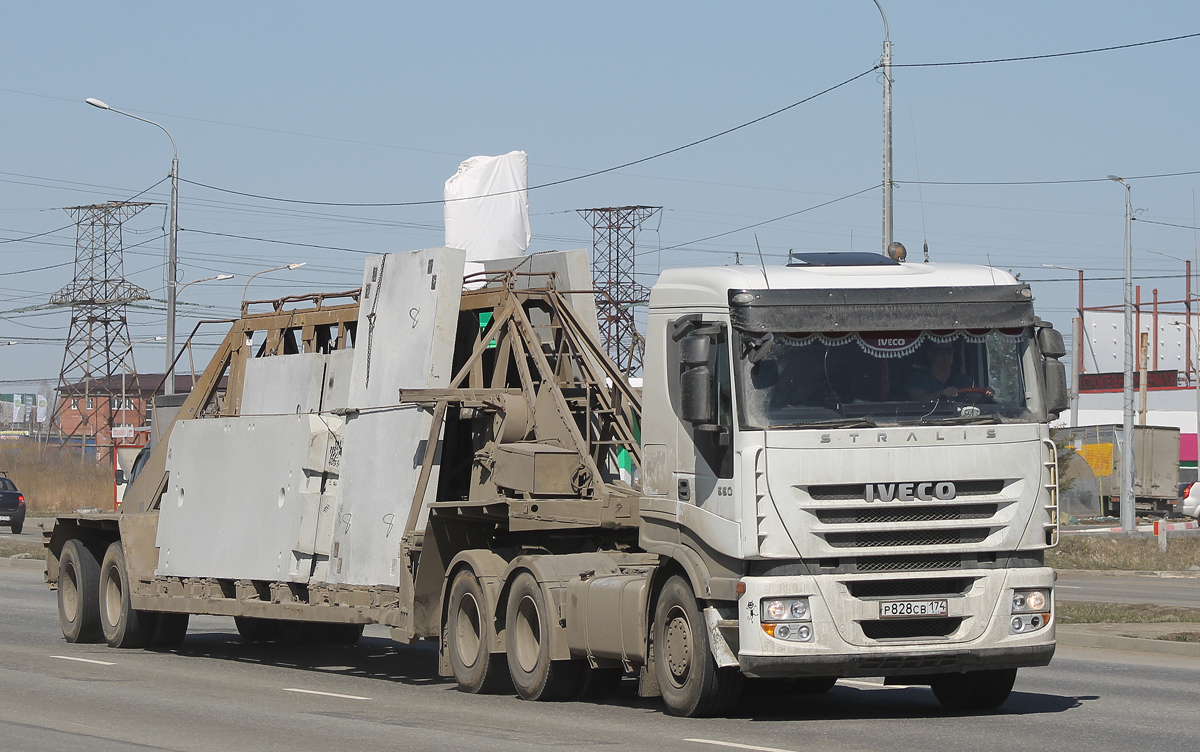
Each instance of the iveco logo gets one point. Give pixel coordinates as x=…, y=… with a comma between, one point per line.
x=942, y=490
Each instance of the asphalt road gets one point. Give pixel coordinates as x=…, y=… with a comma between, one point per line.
x=1109, y=588
x=216, y=693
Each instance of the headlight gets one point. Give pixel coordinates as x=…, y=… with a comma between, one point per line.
x=1030, y=601
x=785, y=609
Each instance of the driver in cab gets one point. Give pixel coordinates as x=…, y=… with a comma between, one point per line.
x=939, y=380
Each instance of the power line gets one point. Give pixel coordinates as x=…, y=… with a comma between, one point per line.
x=572, y=179
x=1047, y=56
x=1044, y=182
x=280, y=242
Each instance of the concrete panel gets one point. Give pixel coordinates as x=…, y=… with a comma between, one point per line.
x=284, y=384
x=239, y=492
x=574, y=272
x=406, y=327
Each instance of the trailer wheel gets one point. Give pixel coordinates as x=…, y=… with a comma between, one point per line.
x=166, y=631
x=79, y=593
x=527, y=635
x=691, y=682
x=254, y=629
x=973, y=690
x=468, y=635
x=122, y=626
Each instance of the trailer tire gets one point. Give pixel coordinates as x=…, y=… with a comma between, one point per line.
x=468, y=634
x=255, y=629
x=166, y=631
x=527, y=639
x=973, y=690
x=121, y=624
x=79, y=593
x=692, y=684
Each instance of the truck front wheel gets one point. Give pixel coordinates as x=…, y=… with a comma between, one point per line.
x=122, y=626
x=973, y=690
x=527, y=638
x=79, y=593
x=692, y=684
x=468, y=637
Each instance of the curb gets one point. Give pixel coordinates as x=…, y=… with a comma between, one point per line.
x=1167, y=574
x=39, y=564
x=1126, y=644
x=1152, y=529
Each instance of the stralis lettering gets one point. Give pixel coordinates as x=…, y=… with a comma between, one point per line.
x=941, y=490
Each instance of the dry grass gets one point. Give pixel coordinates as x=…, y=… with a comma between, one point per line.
x=1124, y=554
x=1181, y=637
x=1124, y=613
x=56, y=482
x=14, y=547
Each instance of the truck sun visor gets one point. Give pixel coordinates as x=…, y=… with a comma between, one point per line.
x=927, y=308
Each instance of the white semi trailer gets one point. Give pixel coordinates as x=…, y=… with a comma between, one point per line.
x=836, y=468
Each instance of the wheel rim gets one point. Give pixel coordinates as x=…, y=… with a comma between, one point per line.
x=70, y=592
x=677, y=646
x=467, y=632
x=112, y=597
x=527, y=634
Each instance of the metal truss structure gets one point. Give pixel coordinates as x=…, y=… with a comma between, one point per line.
x=98, y=358
x=618, y=291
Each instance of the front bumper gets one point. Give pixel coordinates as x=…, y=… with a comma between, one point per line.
x=981, y=639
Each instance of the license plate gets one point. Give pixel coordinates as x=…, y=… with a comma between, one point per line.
x=4, y=518
x=892, y=609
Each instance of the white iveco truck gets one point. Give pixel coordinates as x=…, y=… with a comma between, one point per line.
x=836, y=468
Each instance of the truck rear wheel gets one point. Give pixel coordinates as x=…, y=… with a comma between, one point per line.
x=692, y=684
x=79, y=593
x=122, y=626
x=254, y=629
x=527, y=638
x=973, y=690
x=469, y=633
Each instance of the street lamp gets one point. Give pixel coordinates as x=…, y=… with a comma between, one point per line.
x=218, y=277
x=172, y=258
x=264, y=271
x=1128, y=518
x=886, y=62
x=1078, y=356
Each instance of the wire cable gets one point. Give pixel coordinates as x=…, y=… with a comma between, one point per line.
x=1047, y=56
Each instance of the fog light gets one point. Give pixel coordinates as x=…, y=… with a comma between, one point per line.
x=1035, y=622
x=804, y=632
x=1018, y=624
x=782, y=631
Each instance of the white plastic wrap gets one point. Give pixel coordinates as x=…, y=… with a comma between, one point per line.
x=496, y=226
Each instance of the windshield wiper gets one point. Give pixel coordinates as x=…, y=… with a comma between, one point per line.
x=831, y=423
x=959, y=420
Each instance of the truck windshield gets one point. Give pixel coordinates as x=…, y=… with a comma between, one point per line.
x=864, y=379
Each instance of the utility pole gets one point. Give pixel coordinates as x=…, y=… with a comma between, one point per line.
x=1128, y=515
x=886, y=63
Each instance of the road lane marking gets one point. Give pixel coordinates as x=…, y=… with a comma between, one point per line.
x=83, y=660
x=735, y=745
x=874, y=685
x=324, y=694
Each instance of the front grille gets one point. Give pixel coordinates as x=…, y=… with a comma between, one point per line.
x=907, y=563
x=907, y=629
x=907, y=514
x=847, y=491
x=943, y=586
x=906, y=538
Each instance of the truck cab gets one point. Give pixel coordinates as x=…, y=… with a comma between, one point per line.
x=859, y=452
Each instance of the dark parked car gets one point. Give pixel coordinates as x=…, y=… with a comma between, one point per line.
x=12, y=504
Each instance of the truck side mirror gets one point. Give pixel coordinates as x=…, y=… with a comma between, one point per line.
x=1057, y=396
x=119, y=477
x=1050, y=341
x=696, y=395
x=694, y=350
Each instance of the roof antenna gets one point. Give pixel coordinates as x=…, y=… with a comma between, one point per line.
x=764, y=263
x=920, y=191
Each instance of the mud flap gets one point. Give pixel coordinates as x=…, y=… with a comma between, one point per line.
x=721, y=651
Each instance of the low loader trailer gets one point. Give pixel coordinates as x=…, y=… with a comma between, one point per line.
x=841, y=467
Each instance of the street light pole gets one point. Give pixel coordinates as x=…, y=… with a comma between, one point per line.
x=1128, y=516
x=172, y=257
x=264, y=271
x=886, y=63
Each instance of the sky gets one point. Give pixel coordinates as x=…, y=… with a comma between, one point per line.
x=379, y=102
